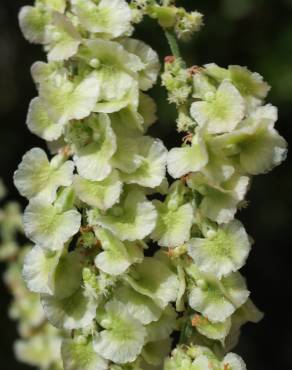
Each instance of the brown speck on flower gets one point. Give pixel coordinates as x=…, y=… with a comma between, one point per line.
x=169, y=59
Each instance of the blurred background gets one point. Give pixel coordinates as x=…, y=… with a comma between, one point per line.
x=253, y=33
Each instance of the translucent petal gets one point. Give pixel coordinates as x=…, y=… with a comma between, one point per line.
x=132, y=219
x=62, y=38
x=117, y=256
x=110, y=17
x=78, y=354
x=248, y=83
x=215, y=331
x=148, y=75
x=218, y=301
x=37, y=177
x=223, y=252
x=155, y=280
x=161, y=329
x=220, y=203
x=182, y=161
x=39, y=268
x=65, y=100
x=151, y=171
x=141, y=307
x=223, y=112
x=93, y=157
x=173, y=226
x=123, y=338
x=40, y=123
x=233, y=362
x=33, y=21
x=147, y=109
x=48, y=228
x=73, y=312
x=99, y=194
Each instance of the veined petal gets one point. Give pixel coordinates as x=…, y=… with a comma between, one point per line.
x=65, y=101
x=47, y=227
x=110, y=17
x=151, y=171
x=139, y=306
x=73, y=312
x=223, y=252
x=63, y=38
x=162, y=329
x=40, y=123
x=219, y=300
x=148, y=75
x=132, y=219
x=37, y=177
x=99, y=194
x=117, y=256
x=123, y=338
x=33, y=21
x=223, y=112
x=182, y=161
x=39, y=268
x=173, y=226
x=155, y=280
x=93, y=157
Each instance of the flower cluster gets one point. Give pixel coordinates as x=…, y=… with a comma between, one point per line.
x=102, y=201
x=88, y=212
x=40, y=342
x=230, y=136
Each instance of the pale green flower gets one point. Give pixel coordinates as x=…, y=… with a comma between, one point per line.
x=233, y=362
x=65, y=99
x=219, y=202
x=36, y=177
x=99, y=194
x=214, y=331
x=109, y=18
x=39, y=269
x=202, y=85
x=147, y=109
x=152, y=156
x=78, y=354
x=73, y=312
x=187, y=23
x=155, y=280
x=175, y=218
x=94, y=144
x=62, y=38
x=116, y=72
x=48, y=226
x=162, y=328
x=117, y=256
x=216, y=299
x=148, y=75
x=132, y=219
x=220, y=112
x=33, y=21
x=251, y=85
x=40, y=124
x=257, y=145
x=141, y=307
x=194, y=158
x=123, y=336
x=223, y=251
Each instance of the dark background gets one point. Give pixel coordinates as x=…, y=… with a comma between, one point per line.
x=255, y=33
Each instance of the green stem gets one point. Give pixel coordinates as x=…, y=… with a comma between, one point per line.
x=172, y=43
